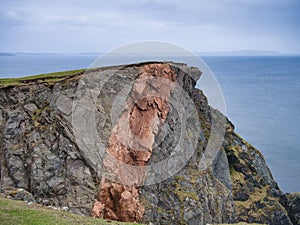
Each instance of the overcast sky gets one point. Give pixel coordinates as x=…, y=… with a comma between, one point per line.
x=100, y=25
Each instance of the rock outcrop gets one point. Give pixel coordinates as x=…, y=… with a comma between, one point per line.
x=131, y=155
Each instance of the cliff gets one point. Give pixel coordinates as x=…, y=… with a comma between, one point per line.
x=134, y=143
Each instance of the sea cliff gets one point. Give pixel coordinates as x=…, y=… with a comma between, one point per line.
x=68, y=153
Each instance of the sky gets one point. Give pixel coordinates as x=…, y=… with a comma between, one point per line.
x=198, y=25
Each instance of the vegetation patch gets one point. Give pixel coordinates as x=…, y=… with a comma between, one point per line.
x=19, y=212
x=182, y=193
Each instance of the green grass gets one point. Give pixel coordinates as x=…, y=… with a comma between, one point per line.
x=20, y=213
x=240, y=223
x=48, y=77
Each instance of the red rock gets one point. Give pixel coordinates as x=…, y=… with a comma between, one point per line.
x=131, y=144
x=98, y=209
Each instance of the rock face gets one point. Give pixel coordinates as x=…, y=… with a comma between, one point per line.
x=118, y=158
x=293, y=203
x=256, y=195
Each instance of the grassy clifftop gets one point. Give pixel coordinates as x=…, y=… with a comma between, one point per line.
x=48, y=77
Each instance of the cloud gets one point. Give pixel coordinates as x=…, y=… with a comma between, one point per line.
x=12, y=18
x=222, y=24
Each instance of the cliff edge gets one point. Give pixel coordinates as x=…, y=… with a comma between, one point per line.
x=130, y=143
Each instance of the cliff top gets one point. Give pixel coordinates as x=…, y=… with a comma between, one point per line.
x=54, y=77
x=47, y=77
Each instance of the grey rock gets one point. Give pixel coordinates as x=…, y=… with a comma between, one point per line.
x=30, y=108
x=18, y=194
x=64, y=104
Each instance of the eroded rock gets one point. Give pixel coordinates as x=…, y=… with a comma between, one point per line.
x=131, y=143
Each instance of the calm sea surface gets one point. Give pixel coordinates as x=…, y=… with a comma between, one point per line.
x=262, y=97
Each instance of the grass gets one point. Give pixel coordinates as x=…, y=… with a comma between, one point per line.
x=240, y=223
x=20, y=213
x=13, y=212
x=48, y=77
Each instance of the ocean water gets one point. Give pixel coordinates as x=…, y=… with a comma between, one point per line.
x=262, y=96
x=25, y=64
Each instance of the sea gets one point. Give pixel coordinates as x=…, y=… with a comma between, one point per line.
x=262, y=96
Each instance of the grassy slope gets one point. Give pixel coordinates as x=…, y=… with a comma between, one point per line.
x=19, y=212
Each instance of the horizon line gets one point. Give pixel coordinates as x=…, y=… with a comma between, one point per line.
x=200, y=53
